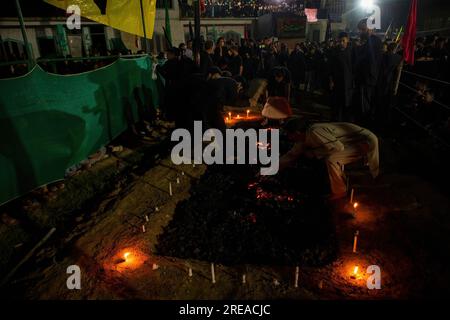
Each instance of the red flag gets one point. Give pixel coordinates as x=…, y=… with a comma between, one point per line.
x=202, y=6
x=409, y=38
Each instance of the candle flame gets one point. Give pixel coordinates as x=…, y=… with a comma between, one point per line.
x=355, y=205
x=355, y=270
x=126, y=255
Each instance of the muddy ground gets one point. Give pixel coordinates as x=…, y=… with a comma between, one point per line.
x=403, y=223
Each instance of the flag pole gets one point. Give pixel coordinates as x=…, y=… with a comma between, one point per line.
x=197, y=29
x=24, y=35
x=143, y=26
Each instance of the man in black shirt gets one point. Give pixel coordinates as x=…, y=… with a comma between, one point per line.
x=341, y=79
x=367, y=69
x=235, y=62
x=206, y=61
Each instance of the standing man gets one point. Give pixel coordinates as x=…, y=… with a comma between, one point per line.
x=235, y=65
x=337, y=144
x=367, y=69
x=390, y=69
x=206, y=57
x=341, y=80
x=297, y=66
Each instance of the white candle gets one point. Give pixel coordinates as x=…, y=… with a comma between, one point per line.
x=190, y=272
x=146, y=218
x=297, y=272
x=156, y=209
x=243, y=279
x=355, y=241
x=178, y=180
x=248, y=112
x=355, y=205
x=351, y=195
x=143, y=228
x=170, y=188
x=182, y=173
x=213, y=274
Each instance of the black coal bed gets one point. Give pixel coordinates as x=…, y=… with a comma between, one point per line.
x=233, y=218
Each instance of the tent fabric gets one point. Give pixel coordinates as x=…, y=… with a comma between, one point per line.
x=124, y=15
x=50, y=122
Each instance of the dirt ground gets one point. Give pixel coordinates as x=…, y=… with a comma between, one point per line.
x=402, y=219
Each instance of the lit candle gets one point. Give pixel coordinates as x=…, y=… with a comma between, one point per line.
x=248, y=112
x=229, y=115
x=355, y=241
x=355, y=272
x=170, y=188
x=355, y=205
x=213, y=274
x=126, y=255
x=351, y=195
x=238, y=117
x=156, y=209
x=297, y=272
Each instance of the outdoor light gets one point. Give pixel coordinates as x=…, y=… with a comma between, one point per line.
x=367, y=4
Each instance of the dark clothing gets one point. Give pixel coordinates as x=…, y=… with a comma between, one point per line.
x=368, y=61
x=220, y=59
x=206, y=62
x=297, y=66
x=341, y=74
x=226, y=91
x=234, y=65
x=282, y=59
x=279, y=89
x=367, y=69
x=177, y=74
x=386, y=84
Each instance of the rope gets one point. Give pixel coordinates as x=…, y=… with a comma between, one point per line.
x=428, y=78
x=422, y=127
x=420, y=93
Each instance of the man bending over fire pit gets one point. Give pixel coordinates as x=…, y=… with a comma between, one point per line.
x=338, y=144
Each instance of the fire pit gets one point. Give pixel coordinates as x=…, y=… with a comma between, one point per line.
x=233, y=218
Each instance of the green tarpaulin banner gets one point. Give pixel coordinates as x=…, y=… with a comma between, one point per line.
x=50, y=122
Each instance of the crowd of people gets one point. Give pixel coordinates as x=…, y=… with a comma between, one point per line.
x=360, y=75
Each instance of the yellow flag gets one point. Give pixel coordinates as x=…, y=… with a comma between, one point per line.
x=125, y=15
